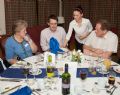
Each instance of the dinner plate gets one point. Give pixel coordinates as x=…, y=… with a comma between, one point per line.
x=21, y=63
x=65, y=49
x=116, y=69
x=38, y=73
x=104, y=72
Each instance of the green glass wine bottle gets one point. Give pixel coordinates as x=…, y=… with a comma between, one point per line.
x=66, y=81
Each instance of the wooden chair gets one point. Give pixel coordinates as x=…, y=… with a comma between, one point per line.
x=2, y=45
x=35, y=32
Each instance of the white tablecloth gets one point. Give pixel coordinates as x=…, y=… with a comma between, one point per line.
x=75, y=82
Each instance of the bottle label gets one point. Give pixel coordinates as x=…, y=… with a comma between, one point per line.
x=65, y=85
x=50, y=75
x=50, y=71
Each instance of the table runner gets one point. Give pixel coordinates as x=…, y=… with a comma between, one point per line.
x=18, y=73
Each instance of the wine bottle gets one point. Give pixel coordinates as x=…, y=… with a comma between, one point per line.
x=66, y=81
x=50, y=71
x=50, y=67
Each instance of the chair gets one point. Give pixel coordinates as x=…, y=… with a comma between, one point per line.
x=72, y=43
x=35, y=32
x=2, y=45
x=2, y=66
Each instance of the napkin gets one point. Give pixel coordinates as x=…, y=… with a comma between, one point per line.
x=23, y=91
x=54, y=46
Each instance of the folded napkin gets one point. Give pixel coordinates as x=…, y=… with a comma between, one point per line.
x=54, y=46
x=23, y=91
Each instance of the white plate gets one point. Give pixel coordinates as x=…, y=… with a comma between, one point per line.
x=38, y=73
x=21, y=63
x=104, y=72
x=65, y=49
x=116, y=69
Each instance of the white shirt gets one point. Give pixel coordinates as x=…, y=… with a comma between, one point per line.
x=85, y=27
x=107, y=43
x=46, y=34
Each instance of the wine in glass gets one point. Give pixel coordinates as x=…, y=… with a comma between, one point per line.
x=111, y=77
x=26, y=72
x=83, y=76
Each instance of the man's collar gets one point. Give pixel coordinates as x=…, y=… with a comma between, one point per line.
x=106, y=35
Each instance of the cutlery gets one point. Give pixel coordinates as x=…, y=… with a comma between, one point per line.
x=11, y=80
x=109, y=90
x=33, y=93
x=113, y=90
x=86, y=90
x=118, y=83
x=115, y=65
x=37, y=92
x=10, y=89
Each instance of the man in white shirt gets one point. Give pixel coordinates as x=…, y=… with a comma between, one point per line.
x=101, y=42
x=52, y=31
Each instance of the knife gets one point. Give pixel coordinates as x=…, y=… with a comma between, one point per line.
x=10, y=89
x=12, y=80
x=113, y=90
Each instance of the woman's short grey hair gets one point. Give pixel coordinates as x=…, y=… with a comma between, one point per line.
x=19, y=25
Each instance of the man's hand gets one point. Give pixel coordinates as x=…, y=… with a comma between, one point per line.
x=98, y=51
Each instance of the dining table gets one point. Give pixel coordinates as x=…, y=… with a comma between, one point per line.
x=95, y=83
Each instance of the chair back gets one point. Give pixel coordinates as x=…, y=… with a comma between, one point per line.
x=2, y=45
x=2, y=66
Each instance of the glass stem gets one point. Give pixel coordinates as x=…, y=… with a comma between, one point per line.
x=26, y=77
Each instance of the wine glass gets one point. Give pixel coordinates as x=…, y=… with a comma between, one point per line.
x=111, y=77
x=83, y=76
x=34, y=71
x=26, y=73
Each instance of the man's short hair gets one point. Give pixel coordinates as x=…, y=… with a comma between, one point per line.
x=79, y=9
x=52, y=17
x=105, y=25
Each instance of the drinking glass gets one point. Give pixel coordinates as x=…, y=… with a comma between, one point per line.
x=83, y=76
x=107, y=63
x=111, y=77
x=34, y=71
x=26, y=72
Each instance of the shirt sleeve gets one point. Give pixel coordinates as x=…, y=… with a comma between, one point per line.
x=9, y=50
x=90, y=39
x=90, y=28
x=63, y=35
x=43, y=41
x=113, y=44
x=70, y=30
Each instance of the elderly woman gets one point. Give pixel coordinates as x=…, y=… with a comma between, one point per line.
x=19, y=44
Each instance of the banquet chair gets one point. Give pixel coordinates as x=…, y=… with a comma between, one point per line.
x=2, y=49
x=35, y=32
x=2, y=66
x=2, y=45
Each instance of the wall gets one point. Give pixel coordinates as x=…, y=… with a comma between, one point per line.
x=2, y=18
